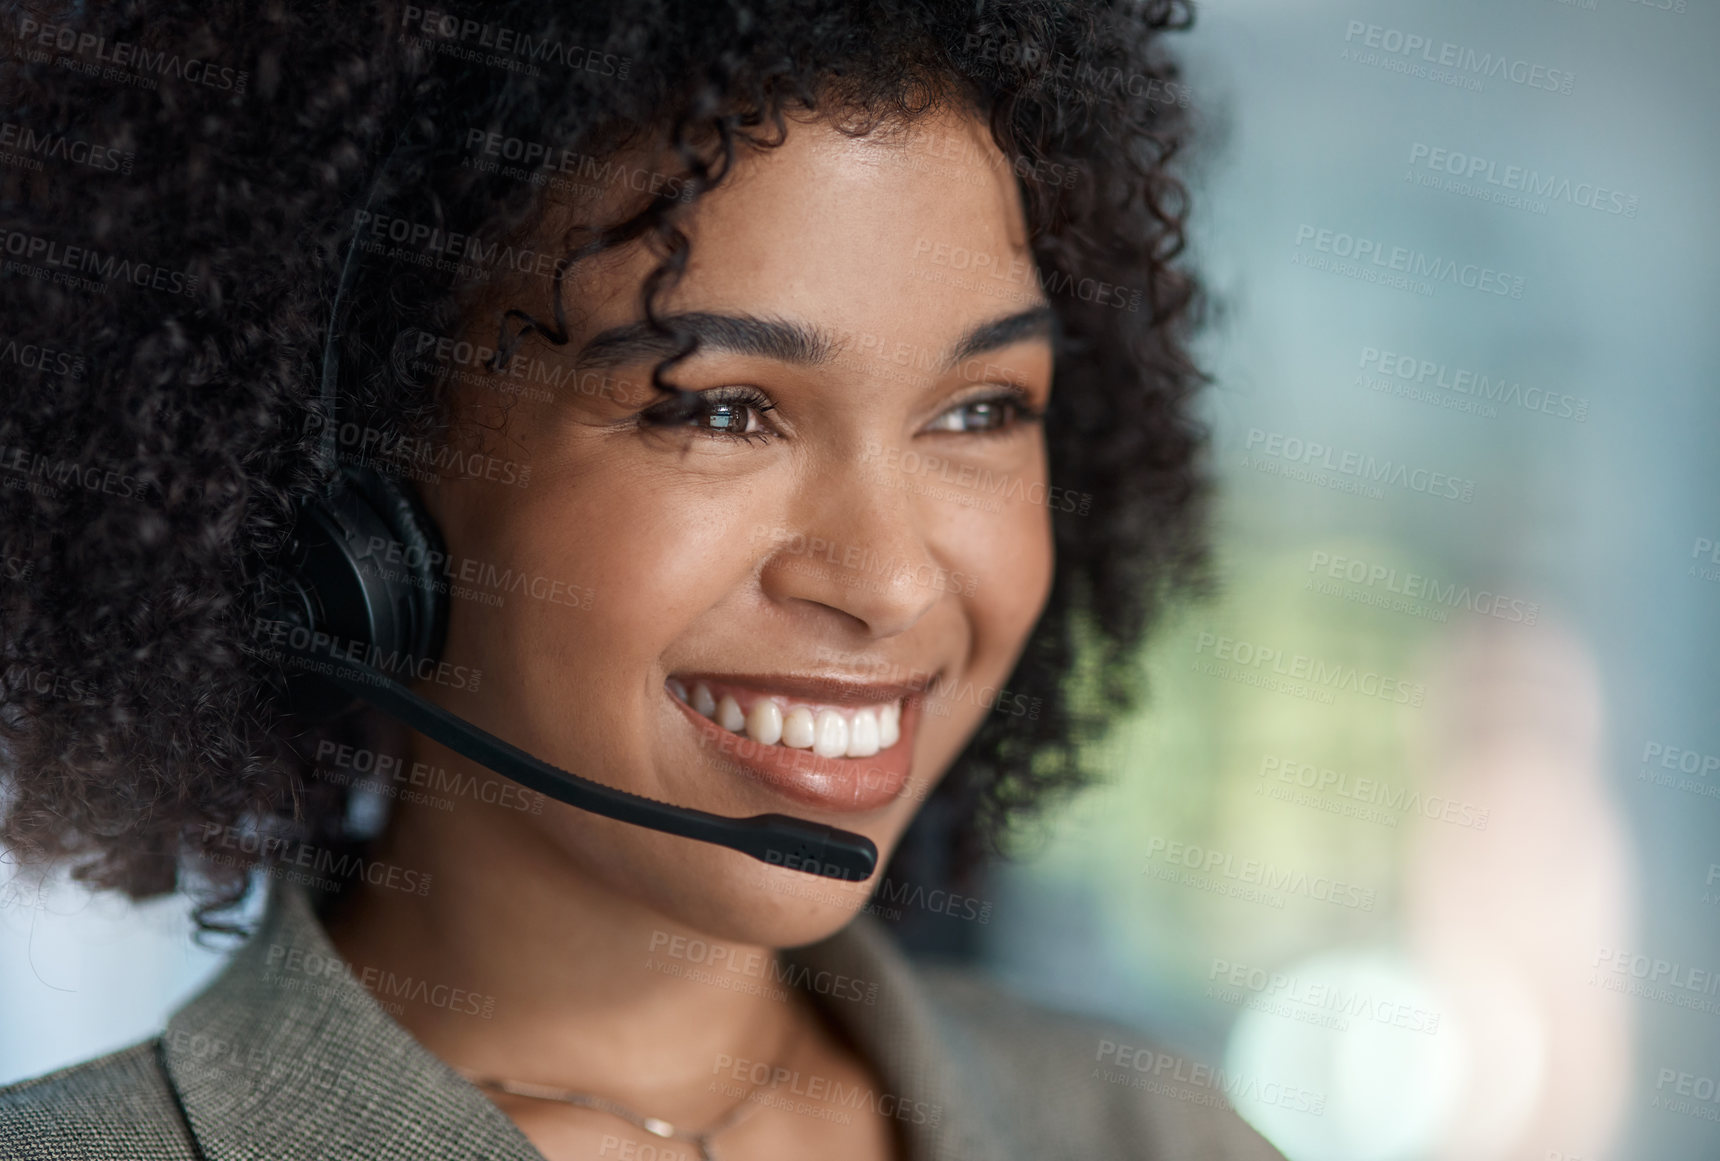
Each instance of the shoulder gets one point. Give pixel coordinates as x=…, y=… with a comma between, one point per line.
x=1077, y=1086
x=116, y=1106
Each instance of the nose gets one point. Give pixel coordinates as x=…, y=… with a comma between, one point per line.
x=855, y=546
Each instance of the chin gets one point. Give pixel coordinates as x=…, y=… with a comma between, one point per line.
x=778, y=917
x=724, y=896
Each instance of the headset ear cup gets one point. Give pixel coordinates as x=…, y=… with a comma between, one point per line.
x=364, y=579
x=415, y=569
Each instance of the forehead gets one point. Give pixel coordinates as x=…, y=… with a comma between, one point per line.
x=910, y=234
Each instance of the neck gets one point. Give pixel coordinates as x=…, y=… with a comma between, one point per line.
x=577, y=979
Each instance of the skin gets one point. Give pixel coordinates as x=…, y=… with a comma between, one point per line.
x=555, y=914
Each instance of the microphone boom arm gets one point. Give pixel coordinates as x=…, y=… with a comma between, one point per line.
x=778, y=839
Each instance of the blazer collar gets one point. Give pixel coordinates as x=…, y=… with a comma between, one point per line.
x=272, y=1060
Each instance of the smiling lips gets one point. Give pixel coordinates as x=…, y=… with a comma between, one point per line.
x=838, y=745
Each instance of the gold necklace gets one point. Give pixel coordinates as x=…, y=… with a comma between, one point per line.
x=657, y=1126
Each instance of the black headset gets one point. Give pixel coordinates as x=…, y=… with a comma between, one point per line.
x=360, y=579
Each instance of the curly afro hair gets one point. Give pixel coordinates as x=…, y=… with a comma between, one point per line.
x=181, y=190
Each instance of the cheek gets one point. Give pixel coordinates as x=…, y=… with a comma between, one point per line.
x=639, y=563
x=1005, y=561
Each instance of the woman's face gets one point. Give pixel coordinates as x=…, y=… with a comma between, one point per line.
x=858, y=508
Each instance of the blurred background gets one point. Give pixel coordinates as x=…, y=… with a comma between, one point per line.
x=1419, y=837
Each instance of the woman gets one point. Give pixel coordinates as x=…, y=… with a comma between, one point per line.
x=718, y=344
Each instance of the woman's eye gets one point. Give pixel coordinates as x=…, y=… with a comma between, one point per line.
x=993, y=413
x=724, y=412
x=729, y=417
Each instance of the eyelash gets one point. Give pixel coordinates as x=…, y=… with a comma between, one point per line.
x=1011, y=395
x=747, y=396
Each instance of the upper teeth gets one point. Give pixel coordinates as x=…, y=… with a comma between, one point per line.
x=827, y=732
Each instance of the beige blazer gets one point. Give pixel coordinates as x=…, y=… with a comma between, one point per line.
x=272, y=1063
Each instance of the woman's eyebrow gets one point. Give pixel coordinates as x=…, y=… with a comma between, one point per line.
x=740, y=334
x=1036, y=322
x=787, y=340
